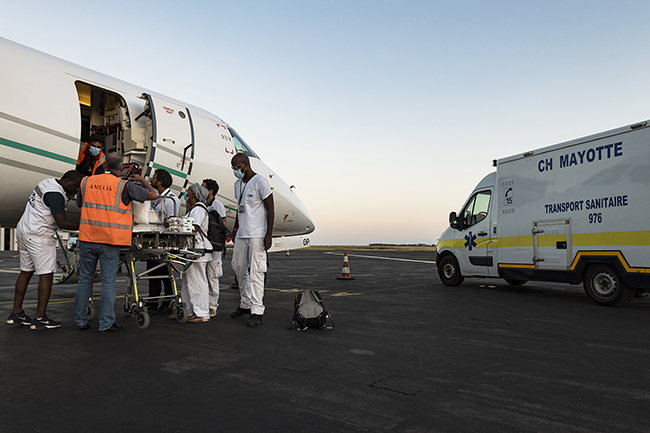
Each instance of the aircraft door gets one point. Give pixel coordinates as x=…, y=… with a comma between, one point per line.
x=170, y=136
x=474, y=248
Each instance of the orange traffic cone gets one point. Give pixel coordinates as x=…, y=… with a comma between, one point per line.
x=288, y=253
x=345, y=274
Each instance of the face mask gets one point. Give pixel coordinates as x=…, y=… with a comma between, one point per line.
x=184, y=196
x=238, y=173
x=94, y=151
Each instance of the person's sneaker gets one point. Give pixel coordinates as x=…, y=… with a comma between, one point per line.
x=113, y=328
x=19, y=319
x=255, y=320
x=83, y=327
x=197, y=319
x=240, y=312
x=44, y=323
x=213, y=312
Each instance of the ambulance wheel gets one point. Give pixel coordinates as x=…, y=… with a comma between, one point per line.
x=516, y=282
x=605, y=287
x=181, y=314
x=449, y=271
x=143, y=319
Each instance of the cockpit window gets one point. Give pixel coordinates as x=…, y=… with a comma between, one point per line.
x=241, y=146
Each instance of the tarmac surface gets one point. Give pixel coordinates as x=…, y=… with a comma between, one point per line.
x=407, y=355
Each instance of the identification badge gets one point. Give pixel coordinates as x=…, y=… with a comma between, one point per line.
x=241, y=208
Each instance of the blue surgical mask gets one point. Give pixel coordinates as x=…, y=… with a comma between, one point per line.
x=94, y=151
x=238, y=173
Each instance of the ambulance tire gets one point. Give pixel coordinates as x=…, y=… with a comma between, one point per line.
x=516, y=282
x=449, y=271
x=605, y=287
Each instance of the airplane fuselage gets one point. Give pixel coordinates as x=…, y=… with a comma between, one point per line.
x=49, y=106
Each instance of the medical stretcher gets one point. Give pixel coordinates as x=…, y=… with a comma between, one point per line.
x=171, y=247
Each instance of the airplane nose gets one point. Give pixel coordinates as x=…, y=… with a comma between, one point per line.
x=303, y=217
x=291, y=215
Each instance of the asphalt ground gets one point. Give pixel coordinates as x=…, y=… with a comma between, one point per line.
x=407, y=355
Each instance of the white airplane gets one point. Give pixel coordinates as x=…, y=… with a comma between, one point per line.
x=49, y=106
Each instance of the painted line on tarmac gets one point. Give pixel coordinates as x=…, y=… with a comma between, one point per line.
x=382, y=258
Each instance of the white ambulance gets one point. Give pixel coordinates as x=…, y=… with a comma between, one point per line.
x=575, y=212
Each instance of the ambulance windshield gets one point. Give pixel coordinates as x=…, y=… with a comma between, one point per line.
x=241, y=146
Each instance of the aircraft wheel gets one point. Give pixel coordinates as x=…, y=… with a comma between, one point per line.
x=143, y=319
x=181, y=314
x=516, y=282
x=449, y=271
x=605, y=287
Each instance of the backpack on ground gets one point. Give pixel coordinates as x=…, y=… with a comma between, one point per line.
x=217, y=230
x=310, y=312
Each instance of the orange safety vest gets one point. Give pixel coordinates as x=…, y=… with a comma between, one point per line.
x=99, y=161
x=105, y=219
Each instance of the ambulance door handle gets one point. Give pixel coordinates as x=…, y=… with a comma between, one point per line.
x=481, y=234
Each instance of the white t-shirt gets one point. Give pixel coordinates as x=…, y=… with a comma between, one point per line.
x=37, y=219
x=219, y=207
x=171, y=207
x=200, y=214
x=252, y=221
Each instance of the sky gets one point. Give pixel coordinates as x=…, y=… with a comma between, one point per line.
x=383, y=114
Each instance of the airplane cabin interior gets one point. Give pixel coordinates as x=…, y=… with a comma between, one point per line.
x=105, y=113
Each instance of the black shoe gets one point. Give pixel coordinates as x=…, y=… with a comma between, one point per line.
x=114, y=328
x=83, y=327
x=240, y=312
x=255, y=320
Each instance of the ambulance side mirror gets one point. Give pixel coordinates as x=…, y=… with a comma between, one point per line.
x=454, y=223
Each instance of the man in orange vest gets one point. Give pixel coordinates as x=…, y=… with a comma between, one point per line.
x=105, y=225
x=91, y=159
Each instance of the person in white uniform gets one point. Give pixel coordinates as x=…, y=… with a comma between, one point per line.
x=165, y=207
x=252, y=237
x=195, y=292
x=215, y=267
x=44, y=215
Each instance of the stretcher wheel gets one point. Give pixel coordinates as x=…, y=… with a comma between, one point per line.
x=181, y=314
x=143, y=319
x=92, y=311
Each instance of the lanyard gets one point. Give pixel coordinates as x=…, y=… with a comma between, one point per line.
x=242, y=191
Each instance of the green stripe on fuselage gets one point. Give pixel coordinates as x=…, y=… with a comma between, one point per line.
x=37, y=151
x=171, y=170
x=62, y=158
